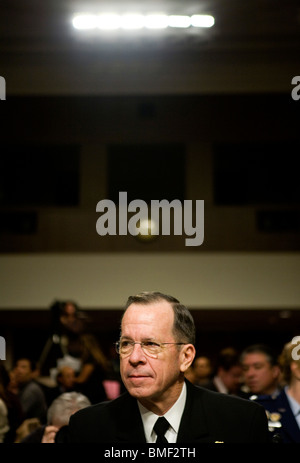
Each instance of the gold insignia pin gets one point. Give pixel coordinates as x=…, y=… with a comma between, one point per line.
x=275, y=416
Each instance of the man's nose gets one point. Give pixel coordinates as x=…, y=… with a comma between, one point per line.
x=249, y=372
x=137, y=355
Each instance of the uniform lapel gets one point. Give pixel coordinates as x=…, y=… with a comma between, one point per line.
x=193, y=426
x=130, y=426
x=288, y=420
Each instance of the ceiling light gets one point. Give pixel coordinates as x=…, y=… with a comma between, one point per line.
x=148, y=230
x=138, y=21
x=109, y=21
x=85, y=21
x=179, y=21
x=156, y=21
x=202, y=20
x=132, y=21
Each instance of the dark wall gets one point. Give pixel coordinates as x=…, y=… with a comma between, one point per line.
x=239, y=154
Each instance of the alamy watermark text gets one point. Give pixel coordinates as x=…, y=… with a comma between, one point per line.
x=296, y=90
x=2, y=88
x=188, y=218
x=296, y=350
x=2, y=348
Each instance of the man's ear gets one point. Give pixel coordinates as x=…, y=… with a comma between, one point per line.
x=277, y=371
x=187, y=356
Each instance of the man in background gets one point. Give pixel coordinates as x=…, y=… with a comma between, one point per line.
x=261, y=370
x=31, y=395
x=203, y=370
x=229, y=374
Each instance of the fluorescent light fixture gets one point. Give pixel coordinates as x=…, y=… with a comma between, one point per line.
x=85, y=21
x=156, y=21
x=132, y=21
x=137, y=21
x=179, y=21
x=202, y=20
x=109, y=22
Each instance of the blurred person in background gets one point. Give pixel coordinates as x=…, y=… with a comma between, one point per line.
x=58, y=417
x=261, y=370
x=203, y=370
x=200, y=372
x=68, y=322
x=95, y=369
x=30, y=393
x=65, y=382
x=229, y=374
x=283, y=410
x=10, y=408
x=4, y=423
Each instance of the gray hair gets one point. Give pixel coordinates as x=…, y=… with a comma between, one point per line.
x=64, y=406
x=183, y=327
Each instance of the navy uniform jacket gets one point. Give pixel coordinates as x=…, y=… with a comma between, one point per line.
x=208, y=417
x=281, y=419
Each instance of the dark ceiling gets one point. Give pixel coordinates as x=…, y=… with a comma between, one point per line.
x=258, y=37
x=246, y=25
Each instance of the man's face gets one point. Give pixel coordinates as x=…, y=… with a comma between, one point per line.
x=23, y=372
x=67, y=377
x=202, y=367
x=259, y=375
x=231, y=378
x=69, y=315
x=153, y=380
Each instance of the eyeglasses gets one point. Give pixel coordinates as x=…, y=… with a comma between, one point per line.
x=150, y=348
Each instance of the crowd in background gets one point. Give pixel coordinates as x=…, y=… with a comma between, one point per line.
x=258, y=374
x=79, y=374
x=37, y=396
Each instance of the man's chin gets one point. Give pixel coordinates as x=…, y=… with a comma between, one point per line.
x=138, y=389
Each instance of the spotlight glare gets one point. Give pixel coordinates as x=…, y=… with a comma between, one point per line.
x=179, y=21
x=156, y=21
x=132, y=21
x=135, y=21
x=85, y=21
x=109, y=21
x=202, y=20
x=148, y=230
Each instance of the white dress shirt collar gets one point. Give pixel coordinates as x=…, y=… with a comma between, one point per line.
x=220, y=385
x=173, y=416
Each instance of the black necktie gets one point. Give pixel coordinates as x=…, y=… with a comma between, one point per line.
x=160, y=428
